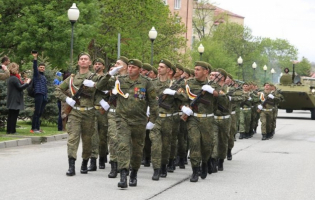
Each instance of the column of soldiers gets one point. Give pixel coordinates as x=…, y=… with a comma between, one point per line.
x=156, y=116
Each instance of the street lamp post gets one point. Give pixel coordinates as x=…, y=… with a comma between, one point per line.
x=265, y=69
x=152, y=36
x=272, y=72
x=201, y=49
x=73, y=16
x=240, y=62
x=254, y=65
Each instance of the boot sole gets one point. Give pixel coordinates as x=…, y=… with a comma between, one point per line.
x=122, y=186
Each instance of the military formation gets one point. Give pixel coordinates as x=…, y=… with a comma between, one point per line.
x=140, y=115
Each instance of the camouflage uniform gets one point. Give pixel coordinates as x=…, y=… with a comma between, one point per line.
x=82, y=116
x=245, y=115
x=131, y=116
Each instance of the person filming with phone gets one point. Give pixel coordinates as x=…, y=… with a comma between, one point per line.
x=40, y=89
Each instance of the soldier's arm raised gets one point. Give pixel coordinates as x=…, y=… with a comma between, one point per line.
x=107, y=82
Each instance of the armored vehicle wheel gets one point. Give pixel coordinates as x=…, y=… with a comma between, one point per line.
x=289, y=110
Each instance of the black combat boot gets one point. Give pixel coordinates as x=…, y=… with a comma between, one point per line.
x=204, y=170
x=220, y=164
x=163, y=171
x=170, y=167
x=92, y=166
x=156, y=174
x=123, y=178
x=214, y=165
x=71, y=170
x=241, y=136
x=133, y=178
x=194, y=177
x=105, y=158
x=84, y=169
x=146, y=162
x=113, y=170
x=264, y=137
x=181, y=163
x=209, y=164
x=229, y=154
x=101, y=163
x=246, y=135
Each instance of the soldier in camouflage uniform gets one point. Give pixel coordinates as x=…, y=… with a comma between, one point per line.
x=134, y=93
x=235, y=95
x=279, y=98
x=245, y=114
x=112, y=130
x=255, y=103
x=200, y=120
x=82, y=116
x=161, y=134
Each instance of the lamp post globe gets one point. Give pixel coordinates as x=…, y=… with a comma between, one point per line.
x=265, y=69
x=201, y=49
x=254, y=66
x=240, y=62
x=152, y=36
x=73, y=16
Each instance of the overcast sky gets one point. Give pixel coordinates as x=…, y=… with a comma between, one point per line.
x=293, y=20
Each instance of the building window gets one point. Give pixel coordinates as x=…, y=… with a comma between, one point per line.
x=165, y=2
x=177, y=4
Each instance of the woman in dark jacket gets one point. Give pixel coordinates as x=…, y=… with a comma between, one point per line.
x=15, y=99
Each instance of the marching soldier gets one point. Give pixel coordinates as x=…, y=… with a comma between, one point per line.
x=134, y=93
x=81, y=118
x=245, y=114
x=200, y=120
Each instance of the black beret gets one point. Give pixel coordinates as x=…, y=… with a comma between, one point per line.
x=147, y=66
x=124, y=59
x=135, y=62
x=166, y=62
x=99, y=60
x=202, y=64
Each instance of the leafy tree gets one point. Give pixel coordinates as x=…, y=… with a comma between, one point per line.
x=303, y=67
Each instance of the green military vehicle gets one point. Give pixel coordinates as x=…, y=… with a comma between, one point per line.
x=298, y=93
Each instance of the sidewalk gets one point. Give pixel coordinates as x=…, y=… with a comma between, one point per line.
x=28, y=140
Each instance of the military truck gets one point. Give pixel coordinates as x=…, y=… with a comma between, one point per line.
x=298, y=93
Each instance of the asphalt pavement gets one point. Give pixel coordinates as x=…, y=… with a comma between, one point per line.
x=281, y=168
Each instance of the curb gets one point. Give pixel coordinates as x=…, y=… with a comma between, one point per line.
x=28, y=140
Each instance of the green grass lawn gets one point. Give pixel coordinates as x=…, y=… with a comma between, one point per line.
x=24, y=127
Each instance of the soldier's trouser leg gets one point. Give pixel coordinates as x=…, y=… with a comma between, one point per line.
x=275, y=115
x=80, y=123
x=130, y=144
x=95, y=139
x=200, y=136
x=182, y=139
x=265, y=121
x=112, y=137
x=147, y=145
x=253, y=118
x=102, y=125
x=175, y=130
x=247, y=118
x=222, y=128
x=238, y=113
x=156, y=144
x=233, y=131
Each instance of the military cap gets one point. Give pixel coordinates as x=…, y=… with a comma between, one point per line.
x=209, y=67
x=124, y=59
x=187, y=71
x=167, y=63
x=83, y=53
x=135, y=62
x=192, y=72
x=271, y=84
x=155, y=70
x=99, y=60
x=230, y=76
x=202, y=64
x=222, y=71
x=173, y=68
x=147, y=66
x=179, y=66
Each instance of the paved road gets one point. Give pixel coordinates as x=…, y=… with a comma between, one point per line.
x=281, y=168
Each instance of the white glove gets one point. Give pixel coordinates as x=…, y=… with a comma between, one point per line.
x=230, y=98
x=260, y=107
x=88, y=83
x=70, y=101
x=104, y=104
x=115, y=70
x=207, y=88
x=148, y=111
x=149, y=126
x=187, y=110
x=169, y=91
x=250, y=98
x=271, y=96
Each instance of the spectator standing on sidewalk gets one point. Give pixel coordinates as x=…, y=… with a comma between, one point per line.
x=5, y=61
x=40, y=87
